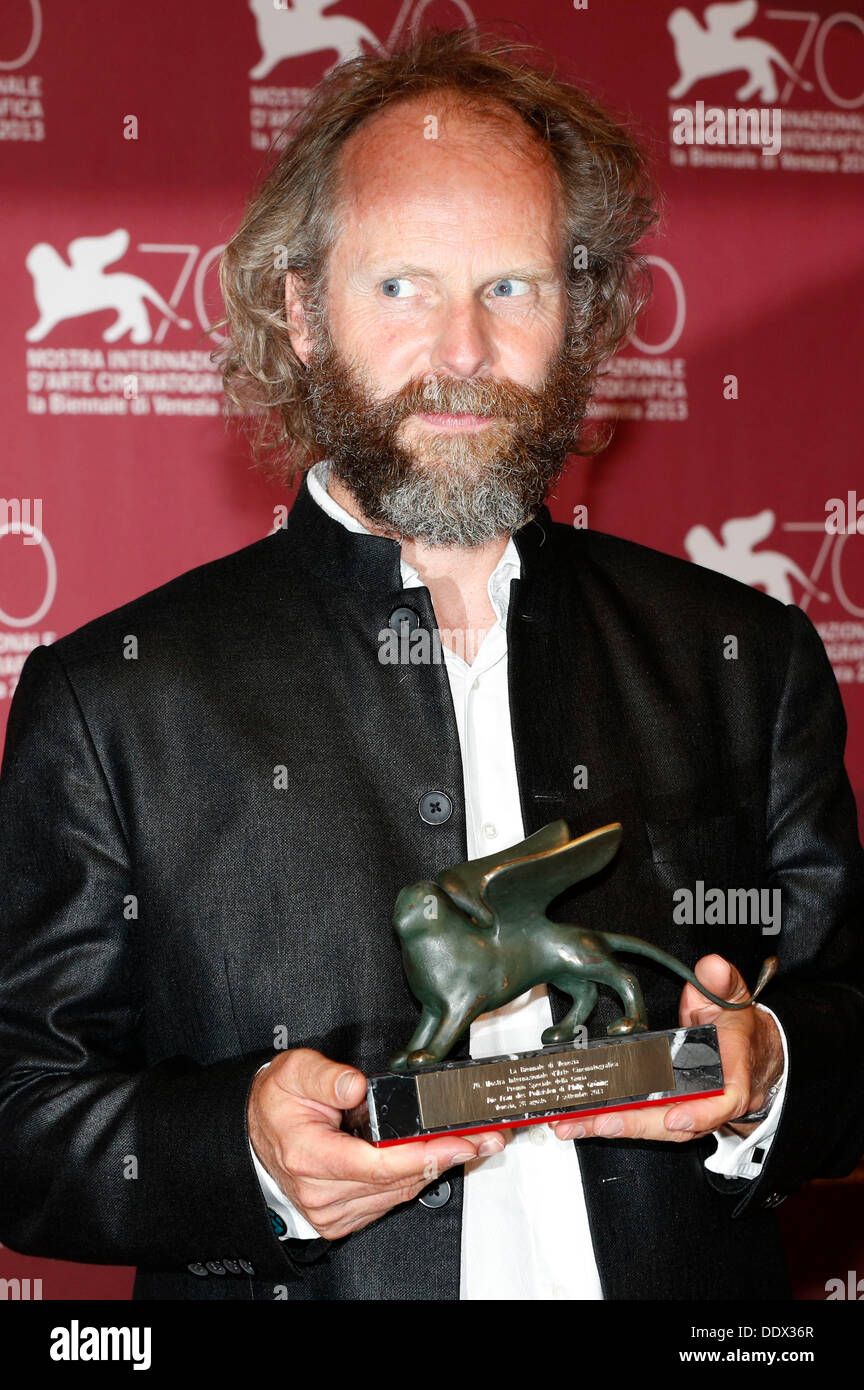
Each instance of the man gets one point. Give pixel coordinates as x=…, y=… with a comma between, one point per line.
x=204, y=844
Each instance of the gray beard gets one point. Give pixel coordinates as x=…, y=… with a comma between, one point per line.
x=458, y=489
x=447, y=508
x=464, y=512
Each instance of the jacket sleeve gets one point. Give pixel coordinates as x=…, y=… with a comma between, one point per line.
x=102, y=1157
x=815, y=858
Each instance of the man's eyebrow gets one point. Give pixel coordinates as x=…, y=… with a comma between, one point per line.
x=386, y=270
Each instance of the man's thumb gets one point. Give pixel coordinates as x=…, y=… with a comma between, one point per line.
x=350, y=1087
x=313, y=1076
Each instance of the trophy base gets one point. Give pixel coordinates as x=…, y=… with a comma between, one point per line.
x=530, y=1088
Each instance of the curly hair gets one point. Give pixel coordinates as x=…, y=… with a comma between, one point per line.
x=291, y=222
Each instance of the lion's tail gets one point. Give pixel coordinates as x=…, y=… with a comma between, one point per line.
x=164, y=307
x=789, y=70
x=644, y=948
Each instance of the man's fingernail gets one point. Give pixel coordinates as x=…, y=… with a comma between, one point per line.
x=571, y=1131
x=609, y=1126
x=679, y=1121
x=463, y=1157
x=490, y=1146
x=344, y=1084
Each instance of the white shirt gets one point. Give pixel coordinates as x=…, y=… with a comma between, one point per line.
x=525, y=1232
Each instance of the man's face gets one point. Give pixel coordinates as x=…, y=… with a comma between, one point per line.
x=443, y=386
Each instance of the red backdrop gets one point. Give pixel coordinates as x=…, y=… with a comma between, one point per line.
x=130, y=137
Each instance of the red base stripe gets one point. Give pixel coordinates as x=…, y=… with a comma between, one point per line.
x=544, y=1119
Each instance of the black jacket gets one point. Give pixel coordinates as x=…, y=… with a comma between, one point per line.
x=170, y=897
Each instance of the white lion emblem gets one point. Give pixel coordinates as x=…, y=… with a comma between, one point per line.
x=770, y=570
x=303, y=29
x=66, y=291
x=716, y=48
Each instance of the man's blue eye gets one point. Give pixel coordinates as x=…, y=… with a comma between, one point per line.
x=387, y=285
x=510, y=294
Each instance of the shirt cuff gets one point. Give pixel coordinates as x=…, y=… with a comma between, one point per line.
x=739, y=1156
x=287, y=1222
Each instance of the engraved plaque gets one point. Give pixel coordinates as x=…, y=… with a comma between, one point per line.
x=533, y=1085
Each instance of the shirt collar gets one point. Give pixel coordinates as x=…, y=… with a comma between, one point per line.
x=498, y=587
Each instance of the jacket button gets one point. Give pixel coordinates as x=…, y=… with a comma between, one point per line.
x=246, y=1267
x=436, y=1196
x=215, y=1266
x=401, y=616
x=232, y=1266
x=198, y=1269
x=435, y=807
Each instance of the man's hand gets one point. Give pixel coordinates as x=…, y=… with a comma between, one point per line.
x=752, y=1056
x=339, y=1183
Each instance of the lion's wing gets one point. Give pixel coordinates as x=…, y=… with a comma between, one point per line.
x=464, y=882
x=531, y=882
x=728, y=19
x=95, y=252
x=747, y=531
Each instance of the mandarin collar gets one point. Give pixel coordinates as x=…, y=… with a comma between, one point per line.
x=317, y=542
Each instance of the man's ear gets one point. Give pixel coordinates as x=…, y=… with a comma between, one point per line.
x=295, y=317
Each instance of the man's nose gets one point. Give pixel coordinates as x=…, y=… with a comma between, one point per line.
x=463, y=344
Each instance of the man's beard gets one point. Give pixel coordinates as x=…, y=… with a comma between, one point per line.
x=447, y=488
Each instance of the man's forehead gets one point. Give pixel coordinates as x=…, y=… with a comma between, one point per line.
x=456, y=116
x=496, y=174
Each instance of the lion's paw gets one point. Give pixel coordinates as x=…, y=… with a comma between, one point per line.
x=556, y=1035
x=420, y=1059
x=626, y=1025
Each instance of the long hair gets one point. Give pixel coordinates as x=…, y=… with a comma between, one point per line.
x=608, y=195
